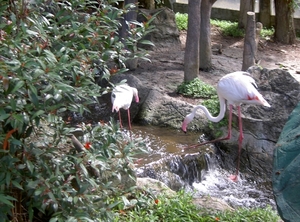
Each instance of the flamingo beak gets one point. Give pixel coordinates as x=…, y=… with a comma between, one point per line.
x=184, y=125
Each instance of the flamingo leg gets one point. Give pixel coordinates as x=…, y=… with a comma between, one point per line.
x=129, y=121
x=241, y=137
x=120, y=119
x=222, y=138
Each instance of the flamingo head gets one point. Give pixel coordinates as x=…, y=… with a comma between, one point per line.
x=115, y=107
x=186, y=121
x=135, y=94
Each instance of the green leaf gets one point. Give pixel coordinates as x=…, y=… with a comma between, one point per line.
x=57, y=97
x=18, y=86
x=83, y=168
x=50, y=56
x=30, y=166
x=146, y=42
x=4, y=116
x=30, y=32
x=33, y=97
x=38, y=113
x=5, y=199
x=16, y=184
x=8, y=178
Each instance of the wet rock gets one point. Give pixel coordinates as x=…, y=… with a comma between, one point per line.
x=155, y=186
x=211, y=205
x=177, y=171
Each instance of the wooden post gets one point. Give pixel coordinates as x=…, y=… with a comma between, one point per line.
x=249, y=54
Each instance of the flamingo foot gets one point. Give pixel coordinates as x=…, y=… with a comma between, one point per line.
x=234, y=178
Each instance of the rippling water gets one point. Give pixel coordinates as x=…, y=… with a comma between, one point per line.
x=164, y=143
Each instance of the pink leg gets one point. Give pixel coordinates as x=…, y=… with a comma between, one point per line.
x=241, y=137
x=120, y=119
x=219, y=139
x=129, y=121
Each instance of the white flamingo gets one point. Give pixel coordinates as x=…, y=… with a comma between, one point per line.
x=236, y=88
x=121, y=98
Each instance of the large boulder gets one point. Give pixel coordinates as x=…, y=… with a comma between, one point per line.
x=165, y=34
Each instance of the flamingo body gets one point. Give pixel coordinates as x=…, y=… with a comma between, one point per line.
x=121, y=98
x=237, y=88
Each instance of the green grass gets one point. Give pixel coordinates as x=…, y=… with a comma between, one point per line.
x=180, y=207
x=227, y=28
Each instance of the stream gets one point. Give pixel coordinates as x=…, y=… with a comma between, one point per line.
x=198, y=170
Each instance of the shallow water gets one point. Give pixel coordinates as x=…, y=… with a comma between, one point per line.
x=164, y=143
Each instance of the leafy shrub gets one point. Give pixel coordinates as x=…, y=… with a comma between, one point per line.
x=228, y=28
x=196, y=88
x=181, y=20
x=242, y=214
x=180, y=207
x=267, y=33
x=51, y=53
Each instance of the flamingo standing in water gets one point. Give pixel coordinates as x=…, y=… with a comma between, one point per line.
x=121, y=97
x=236, y=88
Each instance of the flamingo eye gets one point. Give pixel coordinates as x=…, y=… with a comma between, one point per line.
x=113, y=95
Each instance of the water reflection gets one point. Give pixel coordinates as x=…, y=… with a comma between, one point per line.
x=166, y=153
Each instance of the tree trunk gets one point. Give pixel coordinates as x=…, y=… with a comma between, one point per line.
x=249, y=54
x=284, y=22
x=191, y=56
x=205, y=40
x=265, y=13
x=245, y=6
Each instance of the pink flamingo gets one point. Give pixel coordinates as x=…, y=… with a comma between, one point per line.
x=121, y=97
x=236, y=88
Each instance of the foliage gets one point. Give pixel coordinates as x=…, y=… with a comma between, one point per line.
x=181, y=20
x=242, y=214
x=228, y=28
x=162, y=208
x=267, y=33
x=51, y=53
x=196, y=88
x=147, y=207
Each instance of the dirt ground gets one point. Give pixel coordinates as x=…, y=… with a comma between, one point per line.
x=166, y=70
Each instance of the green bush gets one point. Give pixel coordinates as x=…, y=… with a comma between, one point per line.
x=228, y=28
x=267, y=33
x=181, y=21
x=50, y=53
x=196, y=88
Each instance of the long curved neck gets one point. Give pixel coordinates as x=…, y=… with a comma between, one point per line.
x=208, y=114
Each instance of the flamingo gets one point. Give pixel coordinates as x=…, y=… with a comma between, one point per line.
x=121, y=97
x=237, y=88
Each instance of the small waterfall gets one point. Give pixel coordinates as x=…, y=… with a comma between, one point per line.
x=197, y=170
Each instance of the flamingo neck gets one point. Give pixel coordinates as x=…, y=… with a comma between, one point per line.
x=208, y=114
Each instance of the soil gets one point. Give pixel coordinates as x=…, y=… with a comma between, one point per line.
x=166, y=70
